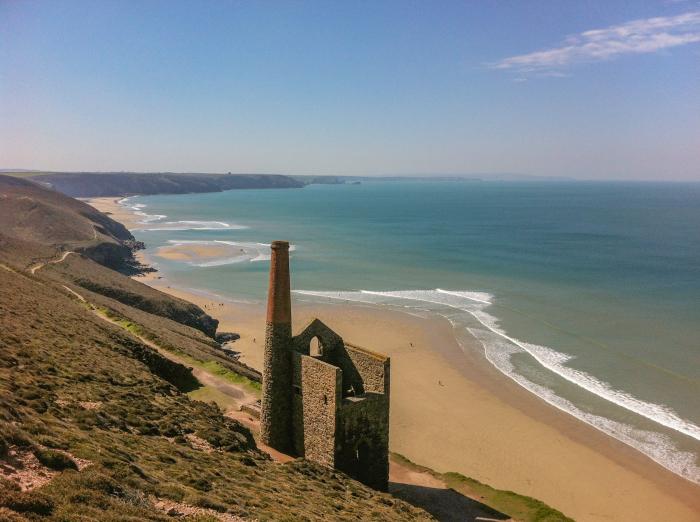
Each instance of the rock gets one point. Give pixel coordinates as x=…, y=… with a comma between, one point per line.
x=226, y=337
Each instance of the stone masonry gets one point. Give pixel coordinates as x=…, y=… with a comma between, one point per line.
x=330, y=406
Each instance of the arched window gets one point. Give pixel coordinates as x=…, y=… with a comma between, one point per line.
x=315, y=347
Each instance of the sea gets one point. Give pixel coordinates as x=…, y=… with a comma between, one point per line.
x=586, y=294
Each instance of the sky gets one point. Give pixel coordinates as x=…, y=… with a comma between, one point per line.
x=591, y=90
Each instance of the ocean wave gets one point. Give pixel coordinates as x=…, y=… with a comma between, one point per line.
x=190, y=225
x=555, y=362
x=658, y=447
x=500, y=347
x=137, y=209
x=159, y=224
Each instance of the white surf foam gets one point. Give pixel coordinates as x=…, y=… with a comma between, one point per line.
x=501, y=346
x=555, y=362
x=660, y=448
x=191, y=225
x=154, y=222
x=137, y=209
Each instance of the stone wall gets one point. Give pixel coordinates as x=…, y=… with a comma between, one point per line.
x=369, y=368
x=362, y=446
x=316, y=400
x=330, y=341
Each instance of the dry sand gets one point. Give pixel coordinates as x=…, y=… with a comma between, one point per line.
x=116, y=211
x=452, y=411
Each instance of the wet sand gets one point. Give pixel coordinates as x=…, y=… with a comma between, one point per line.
x=452, y=411
x=192, y=253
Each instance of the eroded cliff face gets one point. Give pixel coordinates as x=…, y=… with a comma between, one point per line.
x=116, y=256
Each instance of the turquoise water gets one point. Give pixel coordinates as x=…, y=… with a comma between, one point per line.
x=586, y=294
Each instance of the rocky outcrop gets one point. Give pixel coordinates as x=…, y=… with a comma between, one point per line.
x=112, y=255
x=226, y=337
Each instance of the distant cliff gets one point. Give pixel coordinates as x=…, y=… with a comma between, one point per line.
x=103, y=184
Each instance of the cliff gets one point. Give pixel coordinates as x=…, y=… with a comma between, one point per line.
x=102, y=184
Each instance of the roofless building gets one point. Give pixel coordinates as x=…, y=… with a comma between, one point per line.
x=323, y=399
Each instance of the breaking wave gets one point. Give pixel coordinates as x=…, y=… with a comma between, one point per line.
x=499, y=347
x=155, y=222
x=189, y=225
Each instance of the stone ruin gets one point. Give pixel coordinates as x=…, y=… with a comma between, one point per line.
x=323, y=399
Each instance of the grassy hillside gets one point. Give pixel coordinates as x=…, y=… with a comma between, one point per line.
x=48, y=218
x=101, y=280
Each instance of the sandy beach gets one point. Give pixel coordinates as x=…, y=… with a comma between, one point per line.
x=452, y=411
x=116, y=211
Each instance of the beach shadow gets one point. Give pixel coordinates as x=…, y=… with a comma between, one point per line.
x=445, y=504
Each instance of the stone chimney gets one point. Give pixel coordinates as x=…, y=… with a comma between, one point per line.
x=279, y=303
x=276, y=414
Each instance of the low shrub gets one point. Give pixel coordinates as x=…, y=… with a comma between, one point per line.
x=29, y=502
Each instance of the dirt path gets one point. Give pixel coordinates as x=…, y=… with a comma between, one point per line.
x=38, y=266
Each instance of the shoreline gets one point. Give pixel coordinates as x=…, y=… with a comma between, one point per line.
x=453, y=411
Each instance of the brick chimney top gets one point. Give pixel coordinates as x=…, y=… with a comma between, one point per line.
x=279, y=303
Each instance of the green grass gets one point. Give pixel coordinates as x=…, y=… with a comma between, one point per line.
x=215, y=368
x=519, y=507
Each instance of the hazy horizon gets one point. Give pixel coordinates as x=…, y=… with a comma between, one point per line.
x=591, y=91
x=437, y=176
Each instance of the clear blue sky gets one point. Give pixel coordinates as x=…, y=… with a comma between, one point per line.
x=585, y=89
